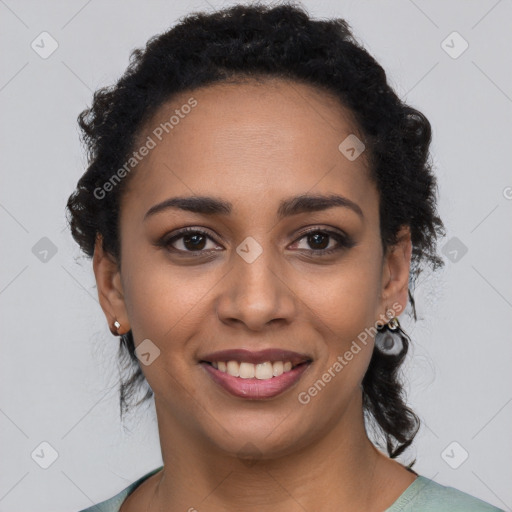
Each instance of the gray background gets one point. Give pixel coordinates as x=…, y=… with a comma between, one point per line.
x=58, y=364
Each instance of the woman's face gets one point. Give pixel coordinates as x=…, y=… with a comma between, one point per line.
x=247, y=275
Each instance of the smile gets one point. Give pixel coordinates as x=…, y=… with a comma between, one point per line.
x=262, y=371
x=255, y=375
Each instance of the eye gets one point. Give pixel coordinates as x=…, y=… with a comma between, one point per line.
x=323, y=242
x=189, y=240
x=194, y=241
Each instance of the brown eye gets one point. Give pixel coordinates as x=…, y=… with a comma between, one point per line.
x=189, y=240
x=324, y=242
x=318, y=240
x=194, y=242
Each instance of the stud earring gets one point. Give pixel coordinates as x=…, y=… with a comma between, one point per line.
x=389, y=338
x=115, y=328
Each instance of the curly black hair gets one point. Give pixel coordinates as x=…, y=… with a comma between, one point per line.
x=257, y=41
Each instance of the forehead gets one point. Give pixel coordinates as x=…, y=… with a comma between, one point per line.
x=249, y=140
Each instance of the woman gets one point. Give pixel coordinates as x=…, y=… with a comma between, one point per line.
x=257, y=202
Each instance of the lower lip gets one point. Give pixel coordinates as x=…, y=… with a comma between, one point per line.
x=256, y=389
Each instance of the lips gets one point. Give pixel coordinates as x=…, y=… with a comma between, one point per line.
x=258, y=387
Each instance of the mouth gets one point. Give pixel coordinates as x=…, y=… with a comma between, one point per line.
x=255, y=375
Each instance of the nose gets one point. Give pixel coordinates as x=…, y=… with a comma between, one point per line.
x=257, y=294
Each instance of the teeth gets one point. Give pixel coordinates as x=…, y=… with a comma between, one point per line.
x=233, y=368
x=261, y=371
x=264, y=371
x=278, y=368
x=247, y=370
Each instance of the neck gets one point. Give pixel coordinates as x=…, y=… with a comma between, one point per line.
x=340, y=470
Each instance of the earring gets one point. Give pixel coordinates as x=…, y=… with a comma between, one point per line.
x=115, y=328
x=388, y=339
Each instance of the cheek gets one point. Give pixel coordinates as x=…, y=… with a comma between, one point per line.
x=344, y=308
x=164, y=306
x=164, y=302
x=344, y=320
x=348, y=298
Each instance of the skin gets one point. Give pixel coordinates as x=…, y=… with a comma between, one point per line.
x=254, y=145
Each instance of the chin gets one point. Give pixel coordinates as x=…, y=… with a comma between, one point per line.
x=249, y=439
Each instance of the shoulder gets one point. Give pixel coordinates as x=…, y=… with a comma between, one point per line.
x=114, y=504
x=425, y=495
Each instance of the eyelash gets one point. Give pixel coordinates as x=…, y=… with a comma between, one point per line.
x=344, y=241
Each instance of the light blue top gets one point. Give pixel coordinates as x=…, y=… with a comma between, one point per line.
x=423, y=495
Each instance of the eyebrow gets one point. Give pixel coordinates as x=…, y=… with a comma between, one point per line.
x=213, y=206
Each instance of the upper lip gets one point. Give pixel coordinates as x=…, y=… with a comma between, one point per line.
x=256, y=357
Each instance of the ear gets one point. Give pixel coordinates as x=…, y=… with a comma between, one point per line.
x=110, y=289
x=395, y=273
